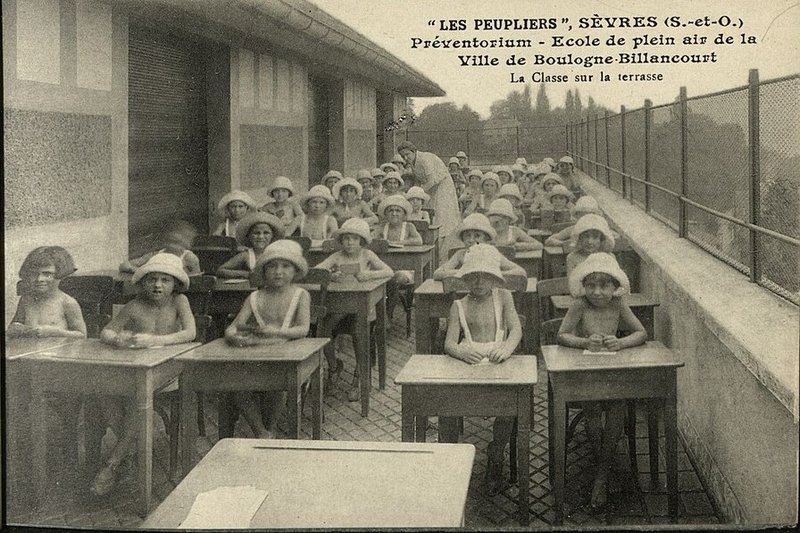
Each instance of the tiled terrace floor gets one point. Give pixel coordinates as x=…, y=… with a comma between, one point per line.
x=633, y=501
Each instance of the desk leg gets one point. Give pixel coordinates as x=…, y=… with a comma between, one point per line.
x=362, y=341
x=531, y=334
x=38, y=413
x=380, y=340
x=316, y=400
x=671, y=434
x=422, y=325
x=294, y=400
x=652, y=439
x=188, y=416
x=144, y=444
x=524, y=418
x=421, y=428
x=559, y=430
x=407, y=427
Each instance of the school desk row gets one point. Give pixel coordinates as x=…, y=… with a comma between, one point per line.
x=432, y=385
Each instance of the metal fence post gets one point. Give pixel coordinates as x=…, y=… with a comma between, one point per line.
x=622, y=153
x=566, y=137
x=683, y=220
x=588, y=165
x=754, y=139
x=608, y=152
x=596, y=121
x=647, y=105
x=468, y=156
x=518, y=140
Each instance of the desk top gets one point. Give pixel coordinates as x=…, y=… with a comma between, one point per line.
x=431, y=369
x=434, y=287
x=653, y=354
x=528, y=254
x=332, y=484
x=239, y=285
x=219, y=350
x=635, y=299
x=94, y=352
x=22, y=346
x=408, y=249
x=554, y=250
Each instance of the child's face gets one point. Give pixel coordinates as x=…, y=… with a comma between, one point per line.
x=564, y=169
x=316, y=206
x=158, y=286
x=281, y=195
x=395, y=214
x=279, y=273
x=351, y=243
x=559, y=202
x=517, y=174
x=366, y=187
x=489, y=187
x=454, y=167
x=348, y=194
x=548, y=185
x=479, y=284
x=598, y=293
x=236, y=210
x=416, y=203
x=462, y=161
x=474, y=181
x=474, y=236
x=260, y=236
x=590, y=241
x=331, y=181
x=505, y=177
x=499, y=222
x=42, y=280
x=391, y=186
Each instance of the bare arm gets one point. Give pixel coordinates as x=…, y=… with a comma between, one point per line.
x=413, y=238
x=367, y=214
x=17, y=328
x=187, y=333
x=449, y=268
x=112, y=333
x=523, y=241
x=76, y=327
x=511, y=320
x=451, y=345
x=235, y=267
x=509, y=267
x=560, y=238
x=220, y=229
x=569, y=326
x=378, y=269
x=627, y=322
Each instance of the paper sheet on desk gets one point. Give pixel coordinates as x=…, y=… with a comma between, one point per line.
x=224, y=508
x=589, y=352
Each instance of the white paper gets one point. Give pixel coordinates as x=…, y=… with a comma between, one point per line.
x=589, y=352
x=224, y=508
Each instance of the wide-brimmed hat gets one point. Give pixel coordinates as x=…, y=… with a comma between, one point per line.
x=475, y=172
x=394, y=199
x=502, y=168
x=510, y=189
x=453, y=161
x=337, y=187
x=560, y=190
x=588, y=222
x=394, y=176
x=235, y=196
x=364, y=174
x=483, y=258
x=586, y=204
x=477, y=221
x=598, y=262
x=332, y=174
x=502, y=207
x=567, y=159
x=281, y=249
x=163, y=263
x=282, y=182
x=397, y=158
x=541, y=168
x=491, y=176
x=377, y=173
x=461, y=154
x=550, y=161
x=354, y=226
x=550, y=176
x=389, y=167
x=418, y=192
x=521, y=161
x=319, y=191
x=518, y=168
x=259, y=217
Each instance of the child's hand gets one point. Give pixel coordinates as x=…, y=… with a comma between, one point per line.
x=361, y=276
x=124, y=339
x=500, y=354
x=266, y=331
x=612, y=343
x=596, y=342
x=144, y=340
x=45, y=331
x=240, y=341
x=337, y=276
x=470, y=356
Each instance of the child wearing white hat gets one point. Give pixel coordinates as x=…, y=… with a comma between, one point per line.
x=542, y=199
x=592, y=322
x=394, y=210
x=566, y=169
x=377, y=187
x=490, y=186
x=233, y=206
x=463, y=160
x=535, y=173
x=364, y=177
x=511, y=192
x=393, y=183
x=504, y=173
x=157, y=316
x=316, y=223
x=491, y=330
x=279, y=311
x=330, y=178
x=590, y=234
x=585, y=205
x=418, y=198
x=501, y=215
x=255, y=231
x=472, y=191
x=349, y=204
x=284, y=207
x=560, y=199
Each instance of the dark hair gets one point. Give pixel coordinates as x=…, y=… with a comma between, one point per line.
x=45, y=256
x=406, y=145
x=600, y=278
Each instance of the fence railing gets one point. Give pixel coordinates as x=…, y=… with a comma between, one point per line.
x=722, y=169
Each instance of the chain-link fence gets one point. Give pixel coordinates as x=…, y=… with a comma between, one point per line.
x=722, y=169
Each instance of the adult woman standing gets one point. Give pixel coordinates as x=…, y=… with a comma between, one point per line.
x=432, y=175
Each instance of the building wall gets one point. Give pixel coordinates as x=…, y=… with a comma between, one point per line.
x=737, y=393
x=359, y=127
x=65, y=88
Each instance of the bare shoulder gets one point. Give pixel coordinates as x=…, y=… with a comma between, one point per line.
x=65, y=299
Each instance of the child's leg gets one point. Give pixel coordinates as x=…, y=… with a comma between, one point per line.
x=248, y=405
x=501, y=434
x=332, y=323
x=120, y=414
x=615, y=420
x=272, y=404
x=593, y=422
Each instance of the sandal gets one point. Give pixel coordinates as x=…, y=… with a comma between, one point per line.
x=333, y=374
x=599, y=498
x=104, y=481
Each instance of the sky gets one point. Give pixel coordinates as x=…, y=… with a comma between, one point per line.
x=392, y=24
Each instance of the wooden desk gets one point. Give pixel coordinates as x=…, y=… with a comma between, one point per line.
x=554, y=262
x=642, y=307
x=540, y=235
x=333, y=484
x=414, y=258
x=647, y=371
x=217, y=366
x=91, y=367
x=348, y=298
x=433, y=303
x=440, y=385
x=531, y=261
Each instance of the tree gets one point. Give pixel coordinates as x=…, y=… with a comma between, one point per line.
x=569, y=106
x=542, y=102
x=516, y=105
x=578, y=105
x=446, y=116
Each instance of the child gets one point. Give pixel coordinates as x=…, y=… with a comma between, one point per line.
x=542, y=199
x=417, y=197
x=155, y=317
x=566, y=168
x=535, y=175
x=491, y=332
x=393, y=183
x=330, y=178
x=584, y=206
x=474, y=229
x=503, y=172
x=560, y=199
x=177, y=240
x=490, y=186
x=389, y=167
x=394, y=210
x=550, y=163
x=316, y=223
x=364, y=177
x=349, y=203
x=511, y=192
x=398, y=161
x=517, y=171
x=277, y=312
x=521, y=161
x=463, y=161
x=43, y=310
x=454, y=166
x=354, y=262
x=284, y=207
x=255, y=231
x=501, y=215
x=233, y=206
x=590, y=234
x=592, y=322
x=377, y=188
